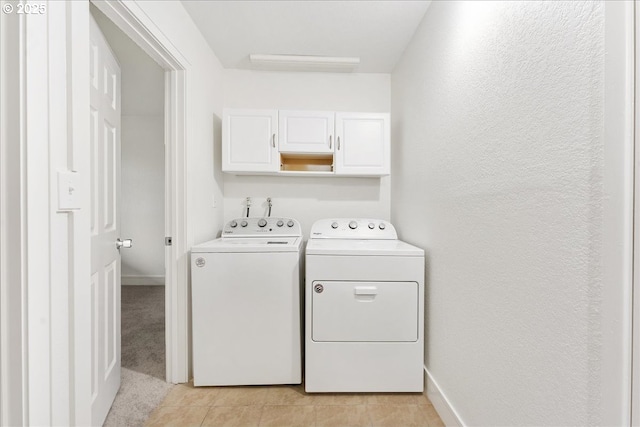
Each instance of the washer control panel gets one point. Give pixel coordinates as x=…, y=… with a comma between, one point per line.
x=258, y=227
x=353, y=228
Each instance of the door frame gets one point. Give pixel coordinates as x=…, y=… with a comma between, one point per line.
x=619, y=259
x=635, y=291
x=134, y=23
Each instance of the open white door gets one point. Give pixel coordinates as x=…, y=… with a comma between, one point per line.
x=105, y=225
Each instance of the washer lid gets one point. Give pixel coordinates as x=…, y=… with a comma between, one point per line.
x=361, y=247
x=250, y=244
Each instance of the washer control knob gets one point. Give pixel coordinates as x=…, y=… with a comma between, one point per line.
x=262, y=223
x=334, y=225
x=382, y=226
x=290, y=223
x=233, y=224
x=353, y=225
x=372, y=226
x=244, y=223
x=280, y=223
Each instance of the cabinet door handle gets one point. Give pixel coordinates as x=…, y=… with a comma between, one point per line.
x=338, y=143
x=330, y=141
x=273, y=141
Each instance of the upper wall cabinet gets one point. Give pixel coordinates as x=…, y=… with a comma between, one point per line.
x=249, y=141
x=305, y=143
x=362, y=144
x=306, y=131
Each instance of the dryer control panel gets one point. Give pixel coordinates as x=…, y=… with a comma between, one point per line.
x=262, y=227
x=353, y=228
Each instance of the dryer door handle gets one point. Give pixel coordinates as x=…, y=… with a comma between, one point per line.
x=366, y=290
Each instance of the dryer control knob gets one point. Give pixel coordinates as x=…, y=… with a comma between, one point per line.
x=372, y=226
x=233, y=224
x=244, y=223
x=262, y=222
x=334, y=225
x=382, y=226
x=290, y=223
x=353, y=225
x=280, y=223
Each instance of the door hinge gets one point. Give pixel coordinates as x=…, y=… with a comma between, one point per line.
x=167, y=241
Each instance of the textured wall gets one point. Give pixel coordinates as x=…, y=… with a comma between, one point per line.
x=497, y=173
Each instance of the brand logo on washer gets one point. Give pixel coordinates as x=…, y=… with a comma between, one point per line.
x=318, y=288
x=200, y=262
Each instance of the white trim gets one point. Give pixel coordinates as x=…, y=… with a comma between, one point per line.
x=38, y=261
x=59, y=222
x=79, y=135
x=635, y=369
x=443, y=406
x=177, y=319
x=13, y=395
x=617, y=219
x=169, y=267
x=140, y=280
x=130, y=18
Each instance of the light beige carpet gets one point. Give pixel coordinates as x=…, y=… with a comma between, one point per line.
x=143, y=357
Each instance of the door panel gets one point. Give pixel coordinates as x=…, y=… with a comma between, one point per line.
x=357, y=311
x=105, y=227
x=306, y=131
x=249, y=140
x=108, y=178
x=363, y=144
x=93, y=117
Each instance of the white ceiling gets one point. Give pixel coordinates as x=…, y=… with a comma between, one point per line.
x=375, y=31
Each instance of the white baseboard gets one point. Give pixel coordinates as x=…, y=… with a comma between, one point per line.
x=443, y=406
x=142, y=280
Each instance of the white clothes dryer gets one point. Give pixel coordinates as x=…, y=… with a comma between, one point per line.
x=364, y=294
x=246, y=302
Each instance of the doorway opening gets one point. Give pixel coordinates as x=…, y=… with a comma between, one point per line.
x=142, y=220
x=126, y=17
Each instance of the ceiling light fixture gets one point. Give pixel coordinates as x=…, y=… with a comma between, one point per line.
x=304, y=63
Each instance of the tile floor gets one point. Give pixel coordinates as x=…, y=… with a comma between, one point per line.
x=284, y=406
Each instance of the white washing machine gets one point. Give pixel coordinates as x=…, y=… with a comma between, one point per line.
x=246, y=302
x=364, y=296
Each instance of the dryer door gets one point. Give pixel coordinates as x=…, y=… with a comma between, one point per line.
x=354, y=311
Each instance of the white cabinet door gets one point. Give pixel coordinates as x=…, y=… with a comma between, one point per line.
x=362, y=144
x=250, y=139
x=306, y=131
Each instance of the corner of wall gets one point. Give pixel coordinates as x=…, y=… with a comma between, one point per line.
x=443, y=406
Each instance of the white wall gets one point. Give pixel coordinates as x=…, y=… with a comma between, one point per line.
x=143, y=198
x=142, y=140
x=307, y=198
x=498, y=167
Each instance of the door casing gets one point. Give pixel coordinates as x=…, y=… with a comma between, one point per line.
x=146, y=35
